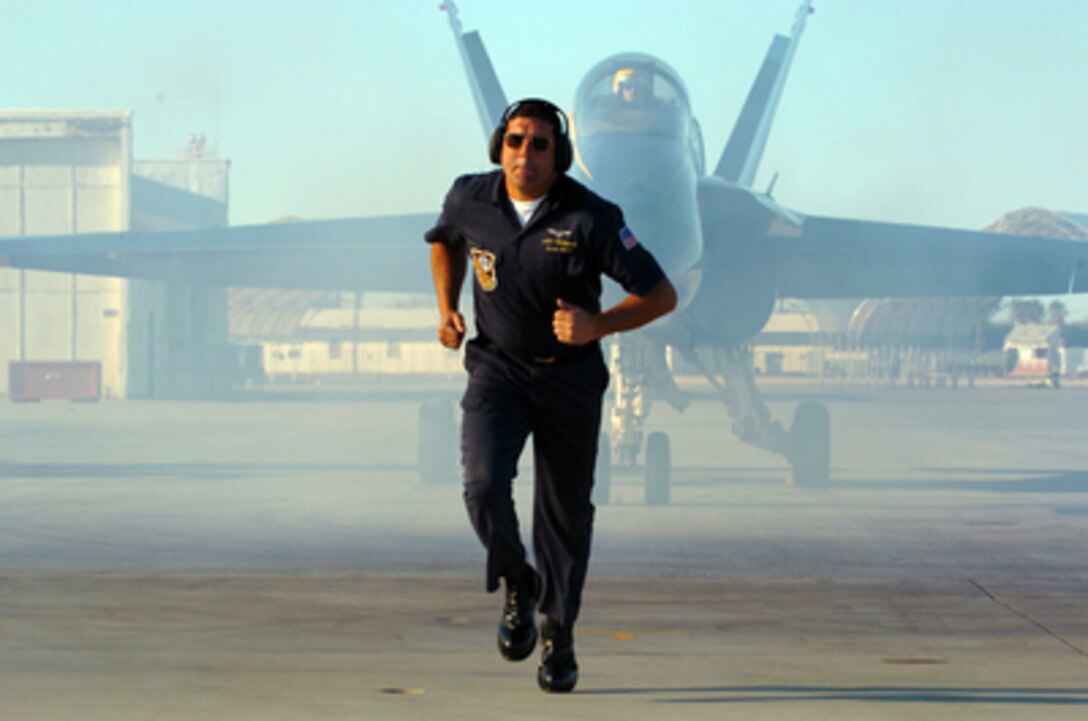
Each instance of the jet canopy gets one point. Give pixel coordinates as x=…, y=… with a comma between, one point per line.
x=632, y=93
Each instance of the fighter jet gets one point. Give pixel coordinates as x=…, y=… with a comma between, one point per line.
x=730, y=249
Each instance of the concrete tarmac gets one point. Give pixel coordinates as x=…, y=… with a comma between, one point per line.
x=279, y=559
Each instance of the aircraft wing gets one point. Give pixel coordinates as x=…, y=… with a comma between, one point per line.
x=384, y=253
x=838, y=258
x=1079, y=218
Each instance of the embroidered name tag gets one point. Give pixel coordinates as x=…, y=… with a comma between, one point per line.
x=558, y=241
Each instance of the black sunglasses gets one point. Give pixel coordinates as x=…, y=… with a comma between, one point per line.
x=537, y=143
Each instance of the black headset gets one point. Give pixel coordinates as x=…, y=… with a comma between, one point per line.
x=564, y=152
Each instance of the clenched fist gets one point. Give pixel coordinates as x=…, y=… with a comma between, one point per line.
x=573, y=325
x=451, y=330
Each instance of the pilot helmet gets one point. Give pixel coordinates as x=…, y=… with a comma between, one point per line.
x=630, y=79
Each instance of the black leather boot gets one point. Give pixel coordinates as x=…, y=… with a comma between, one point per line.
x=558, y=672
x=517, y=629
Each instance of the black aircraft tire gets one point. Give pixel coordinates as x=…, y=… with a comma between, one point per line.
x=436, y=454
x=810, y=441
x=658, y=468
x=602, y=473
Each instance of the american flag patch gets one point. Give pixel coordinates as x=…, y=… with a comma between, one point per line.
x=628, y=238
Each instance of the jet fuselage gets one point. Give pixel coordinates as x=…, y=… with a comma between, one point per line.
x=637, y=144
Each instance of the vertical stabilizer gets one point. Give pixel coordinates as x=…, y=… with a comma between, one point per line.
x=740, y=159
x=486, y=90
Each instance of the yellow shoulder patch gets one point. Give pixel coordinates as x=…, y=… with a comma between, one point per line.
x=483, y=261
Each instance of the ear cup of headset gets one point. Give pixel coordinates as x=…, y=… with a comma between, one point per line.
x=494, y=146
x=564, y=152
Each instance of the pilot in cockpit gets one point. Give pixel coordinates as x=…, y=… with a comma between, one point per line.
x=632, y=86
x=630, y=99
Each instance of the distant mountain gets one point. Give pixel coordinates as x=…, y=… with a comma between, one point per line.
x=1043, y=223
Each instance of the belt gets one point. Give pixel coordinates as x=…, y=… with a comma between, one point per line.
x=540, y=361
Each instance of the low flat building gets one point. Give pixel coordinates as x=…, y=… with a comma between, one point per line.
x=1039, y=350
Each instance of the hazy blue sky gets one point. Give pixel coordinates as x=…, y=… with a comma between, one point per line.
x=932, y=111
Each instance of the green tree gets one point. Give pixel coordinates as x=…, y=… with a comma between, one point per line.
x=1056, y=313
x=1026, y=310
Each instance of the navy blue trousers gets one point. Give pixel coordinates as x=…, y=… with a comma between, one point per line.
x=505, y=402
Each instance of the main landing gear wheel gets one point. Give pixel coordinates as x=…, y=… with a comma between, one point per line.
x=602, y=473
x=436, y=454
x=658, y=466
x=810, y=445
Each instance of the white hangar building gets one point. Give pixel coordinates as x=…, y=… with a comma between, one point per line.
x=61, y=335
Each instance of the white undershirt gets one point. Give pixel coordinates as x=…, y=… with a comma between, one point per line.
x=526, y=208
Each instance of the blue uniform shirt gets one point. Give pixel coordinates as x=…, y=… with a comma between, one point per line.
x=519, y=273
